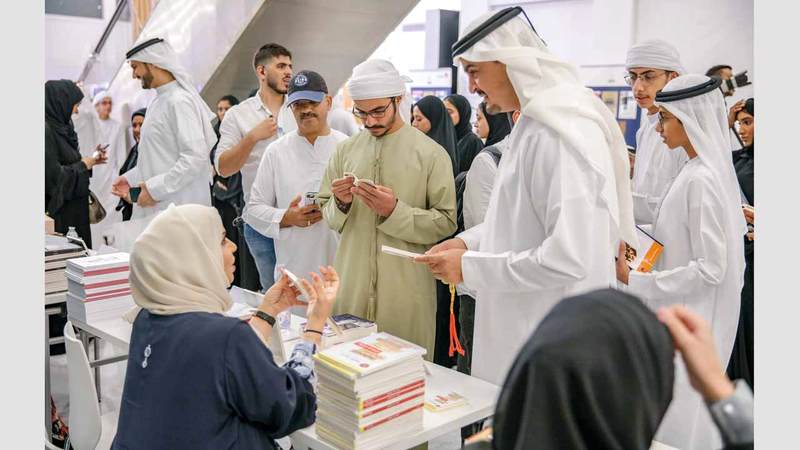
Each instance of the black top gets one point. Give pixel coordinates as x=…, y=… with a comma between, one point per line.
x=442, y=130
x=66, y=178
x=468, y=144
x=499, y=126
x=206, y=381
x=744, y=164
x=596, y=374
x=130, y=162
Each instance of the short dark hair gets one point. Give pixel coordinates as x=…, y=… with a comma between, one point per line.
x=714, y=71
x=268, y=51
x=230, y=99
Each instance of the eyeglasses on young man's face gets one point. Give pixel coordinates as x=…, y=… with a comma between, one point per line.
x=376, y=113
x=646, y=78
x=664, y=117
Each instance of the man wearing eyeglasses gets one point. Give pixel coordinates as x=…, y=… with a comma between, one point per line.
x=651, y=65
x=245, y=132
x=389, y=185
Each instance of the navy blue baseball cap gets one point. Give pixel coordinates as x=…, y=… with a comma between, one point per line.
x=307, y=85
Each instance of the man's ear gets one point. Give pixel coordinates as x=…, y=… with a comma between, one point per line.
x=673, y=75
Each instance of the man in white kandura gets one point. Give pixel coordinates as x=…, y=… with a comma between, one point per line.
x=651, y=64
x=291, y=167
x=176, y=138
x=701, y=225
x=561, y=200
x=112, y=134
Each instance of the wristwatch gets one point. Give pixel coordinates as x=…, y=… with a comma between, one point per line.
x=265, y=317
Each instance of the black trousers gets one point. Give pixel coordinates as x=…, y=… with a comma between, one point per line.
x=246, y=274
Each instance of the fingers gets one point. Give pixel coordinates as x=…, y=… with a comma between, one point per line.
x=366, y=192
x=319, y=285
x=680, y=334
x=310, y=290
x=690, y=319
x=427, y=259
x=295, y=201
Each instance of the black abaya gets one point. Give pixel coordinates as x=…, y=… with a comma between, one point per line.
x=66, y=185
x=741, y=364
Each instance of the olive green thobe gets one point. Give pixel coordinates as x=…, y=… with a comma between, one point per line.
x=397, y=293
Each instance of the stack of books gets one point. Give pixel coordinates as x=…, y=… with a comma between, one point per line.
x=98, y=287
x=57, y=250
x=370, y=392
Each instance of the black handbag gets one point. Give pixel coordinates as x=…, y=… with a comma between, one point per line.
x=96, y=210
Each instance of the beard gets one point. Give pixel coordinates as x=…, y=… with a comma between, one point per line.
x=273, y=84
x=147, y=80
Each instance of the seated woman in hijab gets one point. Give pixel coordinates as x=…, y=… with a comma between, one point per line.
x=562, y=393
x=468, y=144
x=197, y=379
x=701, y=226
x=430, y=116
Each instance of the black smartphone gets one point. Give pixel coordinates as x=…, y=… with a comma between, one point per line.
x=135, y=191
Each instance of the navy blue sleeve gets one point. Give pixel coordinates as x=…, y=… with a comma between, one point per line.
x=261, y=392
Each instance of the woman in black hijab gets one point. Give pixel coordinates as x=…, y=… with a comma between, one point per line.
x=741, y=362
x=430, y=116
x=596, y=374
x=468, y=144
x=137, y=120
x=499, y=125
x=66, y=174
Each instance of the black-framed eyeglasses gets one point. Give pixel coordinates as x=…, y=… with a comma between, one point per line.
x=661, y=118
x=647, y=78
x=377, y=113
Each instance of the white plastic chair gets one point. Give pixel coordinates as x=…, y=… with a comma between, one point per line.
x=84, y=412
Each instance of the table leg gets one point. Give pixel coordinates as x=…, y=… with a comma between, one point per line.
x=47, y=425
x=97, y=368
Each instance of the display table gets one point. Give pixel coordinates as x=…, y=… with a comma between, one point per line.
x=481, y=394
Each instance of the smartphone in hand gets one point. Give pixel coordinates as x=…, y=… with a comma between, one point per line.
x=134, y=192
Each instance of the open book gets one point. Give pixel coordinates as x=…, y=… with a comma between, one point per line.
x=644, y=259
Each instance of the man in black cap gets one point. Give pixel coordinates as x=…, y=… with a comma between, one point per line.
x=282, y=203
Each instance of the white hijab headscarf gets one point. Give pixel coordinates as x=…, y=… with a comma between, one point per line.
x=176, y=263
x=705, y=120
x=654, y=54
x=378, y=78
x=163, y=56
x=550, y=92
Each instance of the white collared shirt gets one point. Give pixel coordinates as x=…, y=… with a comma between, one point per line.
x=242, y=118
x=291, y=166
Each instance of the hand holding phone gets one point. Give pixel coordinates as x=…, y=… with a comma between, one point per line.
x=134, y=193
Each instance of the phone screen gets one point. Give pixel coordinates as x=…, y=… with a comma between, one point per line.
x=135, y=191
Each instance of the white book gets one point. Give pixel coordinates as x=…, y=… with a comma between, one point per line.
x=398, y=252
x=644, y=257
x=370, y=354
x=98, y=264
